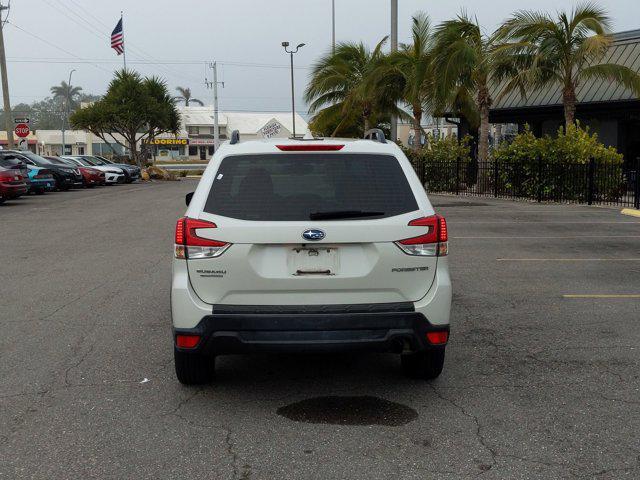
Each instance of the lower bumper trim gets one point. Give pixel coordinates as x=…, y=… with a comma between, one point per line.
x=225, y=333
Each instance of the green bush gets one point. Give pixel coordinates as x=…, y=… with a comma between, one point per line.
x=558, y=167
x=437, y=162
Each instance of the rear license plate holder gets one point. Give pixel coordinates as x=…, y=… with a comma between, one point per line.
x=313, y=261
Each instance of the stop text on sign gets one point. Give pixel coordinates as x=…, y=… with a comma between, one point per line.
x=22, y=130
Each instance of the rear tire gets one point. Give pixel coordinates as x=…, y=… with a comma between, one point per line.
x=193, y=368
x=426, y=365
x=40, y=191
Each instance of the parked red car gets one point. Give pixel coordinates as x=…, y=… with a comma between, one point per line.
x=90, y=176
x=12, y=184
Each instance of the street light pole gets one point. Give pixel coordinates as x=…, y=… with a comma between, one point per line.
x=66, y=112
x=293, y=97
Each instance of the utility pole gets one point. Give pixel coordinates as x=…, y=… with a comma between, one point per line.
x=214, y=85
x=5, y=83
x=394, y=48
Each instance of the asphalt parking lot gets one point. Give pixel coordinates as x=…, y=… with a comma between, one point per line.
x=542, y=378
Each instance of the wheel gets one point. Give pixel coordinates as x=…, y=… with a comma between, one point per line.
x=193, y=368
x=426, y=365
x=40, y=191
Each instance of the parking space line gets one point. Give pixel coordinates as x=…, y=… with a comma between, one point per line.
x=601, y=295
x=630, y=211
x=568, y=259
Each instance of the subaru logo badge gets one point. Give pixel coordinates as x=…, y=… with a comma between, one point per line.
x=313, y=235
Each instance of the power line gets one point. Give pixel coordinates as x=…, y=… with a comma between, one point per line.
x=89, y=13
x=55, y=46
x=136, y=50
x=105, y=36
x=159, y=62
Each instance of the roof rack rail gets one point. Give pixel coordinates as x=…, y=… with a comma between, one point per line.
x=235, y=137
x=375, y=134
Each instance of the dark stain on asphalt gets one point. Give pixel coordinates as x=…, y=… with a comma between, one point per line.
x=363, y=410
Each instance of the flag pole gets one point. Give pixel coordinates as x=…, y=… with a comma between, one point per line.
x=124, y=46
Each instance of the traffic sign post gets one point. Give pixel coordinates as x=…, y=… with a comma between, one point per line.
x=22, y=130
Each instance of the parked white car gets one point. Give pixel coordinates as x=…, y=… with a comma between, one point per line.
x=292, y=245
x=111, y=174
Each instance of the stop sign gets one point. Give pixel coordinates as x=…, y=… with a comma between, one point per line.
x=22, y=130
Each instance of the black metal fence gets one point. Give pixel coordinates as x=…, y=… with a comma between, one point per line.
x=591, y=183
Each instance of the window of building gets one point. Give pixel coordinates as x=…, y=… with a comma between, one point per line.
x=193, y=130
x=106, y=149
x=210, y=150
x=193, y=151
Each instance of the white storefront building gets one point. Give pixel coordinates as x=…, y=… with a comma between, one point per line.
x=194, y=141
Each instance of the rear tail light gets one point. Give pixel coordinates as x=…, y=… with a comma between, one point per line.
x=432, y=243
x=188, y=244
x=10, y=177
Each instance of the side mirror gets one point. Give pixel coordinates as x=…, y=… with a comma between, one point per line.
x=188, y=197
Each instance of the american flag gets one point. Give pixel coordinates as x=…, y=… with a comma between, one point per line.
x=117, y=38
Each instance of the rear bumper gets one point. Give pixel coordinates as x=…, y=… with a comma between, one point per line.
x=393, y=327
x=46, y=184
x=8, y=190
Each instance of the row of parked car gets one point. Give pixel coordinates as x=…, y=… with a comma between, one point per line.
x=23, y=172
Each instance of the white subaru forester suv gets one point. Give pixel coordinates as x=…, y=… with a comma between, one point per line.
x=310, y=245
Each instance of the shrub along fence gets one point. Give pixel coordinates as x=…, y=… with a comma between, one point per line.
x=540, y=180
x=572, y=166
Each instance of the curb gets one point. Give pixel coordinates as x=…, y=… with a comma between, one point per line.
x=630, y=211
x=193, y=176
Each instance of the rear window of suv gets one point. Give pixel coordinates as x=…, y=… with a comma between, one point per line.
x=299, y=187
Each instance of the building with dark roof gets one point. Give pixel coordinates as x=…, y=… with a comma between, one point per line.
x=607, y=108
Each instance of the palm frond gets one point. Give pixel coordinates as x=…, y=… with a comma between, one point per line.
x=609, y=72
x=589, y=18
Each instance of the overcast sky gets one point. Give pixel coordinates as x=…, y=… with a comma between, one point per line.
x=243, y=36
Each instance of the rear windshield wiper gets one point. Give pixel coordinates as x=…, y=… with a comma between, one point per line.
x=338, y=214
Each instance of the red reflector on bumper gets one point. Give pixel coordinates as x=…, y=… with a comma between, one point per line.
x=187, y=341
x=437, y=338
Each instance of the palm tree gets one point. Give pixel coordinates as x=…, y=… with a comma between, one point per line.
x=565, y=51
x=466, y=63
x=66, y=94
x=413, y=63
x=350, y=80
x=185, y=96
